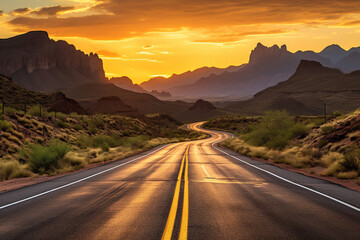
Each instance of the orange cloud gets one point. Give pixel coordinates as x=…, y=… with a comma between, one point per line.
x=135, y=18
x=226, y=37
x=105, y=53
x=352, y=23
x=51, y=11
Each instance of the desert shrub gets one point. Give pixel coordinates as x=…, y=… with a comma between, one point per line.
x=42, y=158
x=35, y=111
x=332, y=169
x=318, y=122
x=322, y=143
x=351, y=160
x=78, y=127
x=326, y=129
x=299, y=130
x=74, y=115
x=5, y=125
x=61, y=124
x=93, y=124
x=11, y=110
x=61, y=116
x=105, y=147
x=83, y=141
x=347, y=175
x=73, y=161
x=331, y=157
x=106, y=142
x=275, y=130
x=12, y=169
x=336, y=113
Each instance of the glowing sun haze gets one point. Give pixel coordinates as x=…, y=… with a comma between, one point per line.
x=146, y=38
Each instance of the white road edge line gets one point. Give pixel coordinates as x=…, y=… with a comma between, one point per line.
x=80, y=180
x=288, y=181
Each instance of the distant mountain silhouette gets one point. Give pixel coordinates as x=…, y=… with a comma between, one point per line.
x=89, y=93
x=162, y=83
x=334, y=53
x=305, y=92
x=160, y=94
x=110, y=105
x=267, y=66
x=125, y=82
x=38, y=63
x=202, y=105
x=350, y=62
x=201, y=110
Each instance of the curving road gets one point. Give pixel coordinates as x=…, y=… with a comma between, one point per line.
x=191, y=190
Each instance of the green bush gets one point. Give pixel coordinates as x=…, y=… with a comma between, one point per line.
x=11, y=110
x=93, y=124
x=105, y=142
x=42, y=158
x=326, y=129
x=275, y=130
x=61, y=124
x=12, y=169
x=61, y=116
x=35, y=111
x=5, y=125
x=83, y=141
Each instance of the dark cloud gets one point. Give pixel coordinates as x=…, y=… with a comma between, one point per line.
x=21, y=11
x=51, y=11
x=1, y=13
x=129, y=18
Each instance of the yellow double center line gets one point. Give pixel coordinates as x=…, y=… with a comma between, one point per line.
x=185, y=210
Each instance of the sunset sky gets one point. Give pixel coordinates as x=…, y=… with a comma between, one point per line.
x=145, y=38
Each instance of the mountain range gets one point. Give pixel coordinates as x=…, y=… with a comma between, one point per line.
x=306, y=91
x=267, y=66
x=161, y=83
x=274, y=78
x=125, y=82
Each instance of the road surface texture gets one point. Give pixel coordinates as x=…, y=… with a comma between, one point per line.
x=188, y=190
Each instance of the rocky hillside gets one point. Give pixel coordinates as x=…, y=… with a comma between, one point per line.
x=19, y=98
x=36, y=62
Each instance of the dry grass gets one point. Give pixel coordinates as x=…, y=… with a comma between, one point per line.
x=347, y=175
x=12, y=169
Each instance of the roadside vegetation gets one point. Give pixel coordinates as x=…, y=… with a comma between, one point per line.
x=327, y=149
x=51, y=143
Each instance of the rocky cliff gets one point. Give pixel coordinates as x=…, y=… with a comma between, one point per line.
x=36, y=62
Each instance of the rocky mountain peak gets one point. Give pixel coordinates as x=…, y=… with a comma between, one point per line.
x=309, y=67
x=263, y=53
x=38, y=63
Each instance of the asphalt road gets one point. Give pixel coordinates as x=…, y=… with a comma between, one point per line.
x=184, y=190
